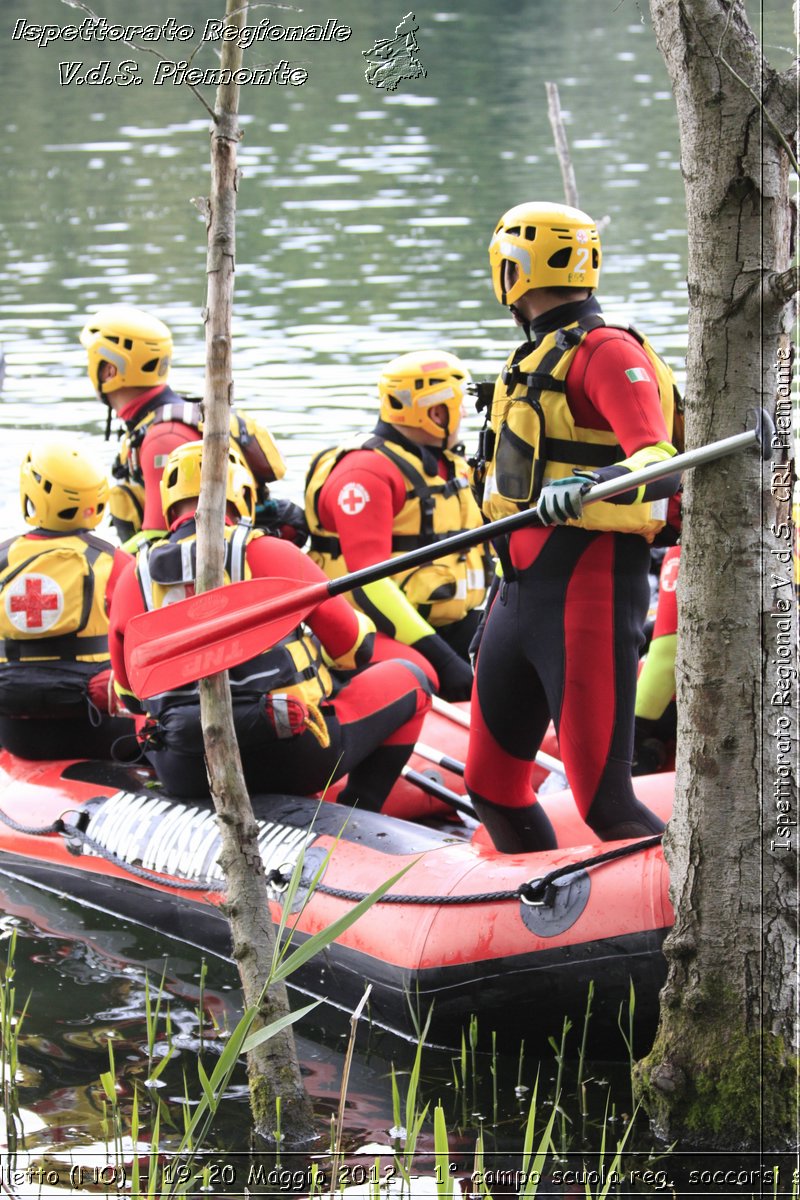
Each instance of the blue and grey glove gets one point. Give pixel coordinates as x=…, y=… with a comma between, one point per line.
x=562, y=499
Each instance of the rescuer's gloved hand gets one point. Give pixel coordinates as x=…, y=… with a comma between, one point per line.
x=455, y=675
x=283, y=519
x=561, y=500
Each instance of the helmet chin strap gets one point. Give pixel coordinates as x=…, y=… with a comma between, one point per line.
x=107, y=402
x=109, y=414
x=446, y=429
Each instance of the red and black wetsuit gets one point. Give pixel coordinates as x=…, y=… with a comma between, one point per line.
x=563, y=636
x=373, y=719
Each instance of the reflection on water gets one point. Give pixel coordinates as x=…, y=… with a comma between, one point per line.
x=363, y=217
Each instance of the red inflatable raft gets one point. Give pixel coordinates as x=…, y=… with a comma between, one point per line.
x=513, y=939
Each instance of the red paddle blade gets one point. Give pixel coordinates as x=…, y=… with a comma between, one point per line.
x=185, y=641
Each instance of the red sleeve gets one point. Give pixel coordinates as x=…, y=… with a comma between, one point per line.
x=127, y=603
x=159, y=441
x=602, y=395
x=667, y=610
x=121, y=560
x=334, y=622
x=360, y=499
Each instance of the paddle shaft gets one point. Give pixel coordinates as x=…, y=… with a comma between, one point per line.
x=505, y=525
x=438, y=790
x=207, y=633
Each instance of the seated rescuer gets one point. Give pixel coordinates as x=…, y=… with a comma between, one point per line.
x=406, y=486
x=579, y=401
x=297, y=726
x=54, y=663
x=129, y=358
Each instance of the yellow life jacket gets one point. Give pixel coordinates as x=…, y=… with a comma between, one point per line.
x=126, y=501
x=167, y=571
x=442, y=591
x=52, y=597
x=536, y=438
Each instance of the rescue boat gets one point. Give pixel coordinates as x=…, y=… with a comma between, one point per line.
x=514, y=940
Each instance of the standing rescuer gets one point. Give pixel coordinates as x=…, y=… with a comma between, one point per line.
x=407, y=486
x=579, y=401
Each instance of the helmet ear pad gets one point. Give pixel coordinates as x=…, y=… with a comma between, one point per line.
x=62, y=488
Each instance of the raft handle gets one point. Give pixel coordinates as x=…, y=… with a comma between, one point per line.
x=541, y=893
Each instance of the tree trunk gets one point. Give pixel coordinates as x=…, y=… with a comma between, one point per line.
x=273, y=1068
x=722, y=1070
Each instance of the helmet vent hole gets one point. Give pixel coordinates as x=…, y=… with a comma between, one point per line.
x=47, y=485
x=150, y=366
x=128, y=344
x=560, y=259
x=396, y=404
x=595, y=259
x=530, y=233
x=67, y=514
x=515, y=230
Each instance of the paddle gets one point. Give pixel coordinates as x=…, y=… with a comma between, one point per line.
x=172, y=646
x=432, y=787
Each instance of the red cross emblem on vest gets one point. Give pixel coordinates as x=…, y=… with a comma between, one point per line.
x=353, y=499
x=34, y=603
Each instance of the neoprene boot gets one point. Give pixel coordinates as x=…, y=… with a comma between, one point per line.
x=516, y=830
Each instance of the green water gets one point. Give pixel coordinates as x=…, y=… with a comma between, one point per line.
x=364, y=216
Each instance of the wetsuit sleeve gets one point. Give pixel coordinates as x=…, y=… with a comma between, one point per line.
x=159, y=441
x=126, y=603
x=617, y=379
x=346, y=639
x=121, y=560
x=360, y=500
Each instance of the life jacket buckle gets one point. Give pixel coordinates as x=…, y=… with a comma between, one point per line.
x=567, y=338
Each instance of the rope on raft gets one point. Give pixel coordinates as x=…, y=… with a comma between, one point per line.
x=537, y=892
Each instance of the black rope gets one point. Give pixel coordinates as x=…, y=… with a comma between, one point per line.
x=57, y=826
x=183, y=885
x=75, y=833
x=533, y=891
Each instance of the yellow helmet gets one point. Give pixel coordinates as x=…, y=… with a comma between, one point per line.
x=553, y=245
x=409, y=386
x=62, y=488
x=181, y=479
x=136, y=343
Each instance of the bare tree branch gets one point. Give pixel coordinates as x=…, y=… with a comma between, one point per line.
x=145, y=49
x=779, y=135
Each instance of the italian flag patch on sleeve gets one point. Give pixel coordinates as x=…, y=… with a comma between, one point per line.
x=637, y=375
